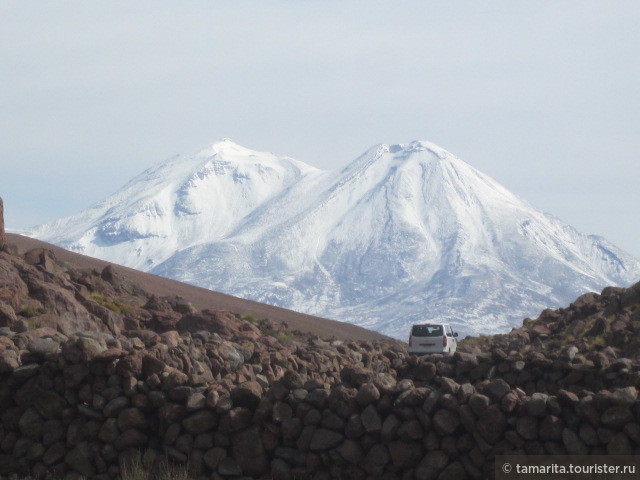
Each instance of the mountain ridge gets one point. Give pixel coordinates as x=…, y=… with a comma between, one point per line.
x=404, y=233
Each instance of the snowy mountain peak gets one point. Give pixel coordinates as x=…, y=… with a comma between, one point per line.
x=405, y=233
x=417, y=146
x=181, y=202
x=395, y=155
x=227, y=147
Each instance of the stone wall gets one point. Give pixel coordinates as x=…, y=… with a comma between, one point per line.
x=86, y=410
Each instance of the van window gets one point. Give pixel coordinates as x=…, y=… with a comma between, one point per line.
x=427, y=331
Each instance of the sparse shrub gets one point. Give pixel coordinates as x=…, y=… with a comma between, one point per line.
x=112, y=304
x=250, y=317
x=284, y=336
x=479, y=341
x=172, y=471
x=598, y=343
x=134, y=469
x=28, y=311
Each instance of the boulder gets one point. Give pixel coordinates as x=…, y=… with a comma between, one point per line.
x=368, y=394
x=371, y=420
x=573, y=443
x=625, y=397
x=200, y=422
x=31, y=424
x=497, y=389
x=445, y=422
x=527, y=427
x=617, y=417
x=247, y=394
x=431, y=465
x=353, y=376
x=405, y=454
x=80, y=459
x=492, y=424
x=324, y=439
x=248, y=452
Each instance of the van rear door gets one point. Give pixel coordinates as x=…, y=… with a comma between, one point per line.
x=427, y=336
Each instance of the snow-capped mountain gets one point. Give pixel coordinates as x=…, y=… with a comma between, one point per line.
x=404, y=234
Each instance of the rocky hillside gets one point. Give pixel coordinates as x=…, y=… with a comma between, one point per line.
x=97, y=374
x=593, y=331
x=200, y=298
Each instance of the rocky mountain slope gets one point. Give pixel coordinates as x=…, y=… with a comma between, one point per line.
x=97, y=376
x=405, y=233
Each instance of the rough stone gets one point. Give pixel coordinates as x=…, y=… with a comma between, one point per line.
x=573, y=443
x=54, y=453
x=432, y=464
x=624, y=397
x=497, y=389
x=536, y=405
x=247, y=394
x=324, y=439
x=445, y=422
x=200, y=422
x=248, y=452
x=368, y=393
x=31, y=424
x=405, y=454
x=617, y=417
x=80, y=459
x=478, y=403
x=351, y=451
x=424, y=371
x=131, y=418
x=371, y=420
x=214, y=456
x=551, y=428
x=492, y=424
x=527, y=427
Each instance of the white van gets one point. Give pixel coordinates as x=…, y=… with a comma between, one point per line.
x=432, y=338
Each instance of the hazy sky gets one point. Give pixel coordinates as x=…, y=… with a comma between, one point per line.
x=543, y=96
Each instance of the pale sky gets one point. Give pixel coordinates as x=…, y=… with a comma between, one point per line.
x=542, y=96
